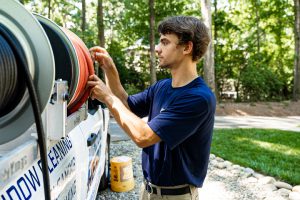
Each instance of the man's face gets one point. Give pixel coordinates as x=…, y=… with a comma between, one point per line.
x=168, y=51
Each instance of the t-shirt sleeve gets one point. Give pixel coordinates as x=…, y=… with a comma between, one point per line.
x=180, y=119
x=139, y=103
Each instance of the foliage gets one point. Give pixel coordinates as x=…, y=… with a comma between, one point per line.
x=255, y=51
x=131, y=89
x=254, y=40
x=270, y=152
x=259, y=83
x=134, y=26
x=135, y=23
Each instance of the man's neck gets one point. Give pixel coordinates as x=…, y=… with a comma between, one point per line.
x=184, y=74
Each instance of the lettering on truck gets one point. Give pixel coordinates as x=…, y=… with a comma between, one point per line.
x=13, y=168
x=27, y=184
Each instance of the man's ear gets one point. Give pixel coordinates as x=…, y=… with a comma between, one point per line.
x=188, y=48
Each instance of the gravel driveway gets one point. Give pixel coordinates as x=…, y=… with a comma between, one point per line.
x=225, y=181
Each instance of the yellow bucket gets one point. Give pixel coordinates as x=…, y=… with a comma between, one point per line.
x=121, y=174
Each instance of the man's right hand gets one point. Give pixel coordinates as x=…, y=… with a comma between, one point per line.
x=100, y=55
x=112, y=78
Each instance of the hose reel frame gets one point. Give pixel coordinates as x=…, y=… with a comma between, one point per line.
x=31, y=33
x=76, y=55
x=40, y=61
x=58, y=38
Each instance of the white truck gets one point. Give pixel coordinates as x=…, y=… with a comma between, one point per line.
x=76, y=144
x=76, y=163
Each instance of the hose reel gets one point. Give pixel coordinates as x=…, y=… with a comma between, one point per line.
x=72, y=61
x=50, y=52
x=38, y=56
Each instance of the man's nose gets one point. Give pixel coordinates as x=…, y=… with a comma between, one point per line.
x=157, y=48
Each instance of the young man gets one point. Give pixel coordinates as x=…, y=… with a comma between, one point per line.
x=176, y=139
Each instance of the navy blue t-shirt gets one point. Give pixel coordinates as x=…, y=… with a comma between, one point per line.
x=183, y=118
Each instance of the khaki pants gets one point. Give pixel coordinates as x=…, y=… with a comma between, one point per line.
x=145, y=195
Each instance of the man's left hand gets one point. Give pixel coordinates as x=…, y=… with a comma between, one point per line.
x=98, y=89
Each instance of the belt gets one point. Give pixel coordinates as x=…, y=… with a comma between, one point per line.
x=167, y=191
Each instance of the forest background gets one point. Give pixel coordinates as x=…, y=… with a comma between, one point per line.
x=254, y=54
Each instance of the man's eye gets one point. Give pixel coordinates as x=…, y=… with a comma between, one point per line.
x=164, y=43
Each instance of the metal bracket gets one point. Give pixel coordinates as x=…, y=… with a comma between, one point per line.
x=56, y=111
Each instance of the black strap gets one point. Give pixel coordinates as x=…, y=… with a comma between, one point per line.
x=169, y=191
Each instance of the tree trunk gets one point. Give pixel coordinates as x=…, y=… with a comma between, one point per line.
x=209, y=68
x=257, y=18
x=215, y=29
x=296, y=90
x=83, y=19
x=49, y=9
x=101, y=36
x=215, y=48
x=152, y=42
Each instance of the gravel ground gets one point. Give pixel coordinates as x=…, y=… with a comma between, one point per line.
x=125, y=148
x=225, y=181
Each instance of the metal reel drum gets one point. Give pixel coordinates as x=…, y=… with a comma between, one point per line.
x=73, y=62
x=40, y=61
x=66, y=61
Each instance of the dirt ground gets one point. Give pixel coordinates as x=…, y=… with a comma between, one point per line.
x=274, y=109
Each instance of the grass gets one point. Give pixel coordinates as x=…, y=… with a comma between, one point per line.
x=271, y=152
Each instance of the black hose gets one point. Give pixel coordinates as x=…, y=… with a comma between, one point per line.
x=11, y=90
x=13, y=52
x=8, y=69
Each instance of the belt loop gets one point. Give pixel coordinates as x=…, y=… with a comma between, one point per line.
x=194, y=192
x=151, y=188
x=148, y=184
x=158, y=191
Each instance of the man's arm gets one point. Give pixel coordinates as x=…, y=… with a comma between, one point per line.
x=137, y=129
x=112, y=78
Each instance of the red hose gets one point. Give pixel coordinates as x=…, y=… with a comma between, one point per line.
x=86, y=69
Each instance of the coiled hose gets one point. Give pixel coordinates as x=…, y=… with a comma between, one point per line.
x=14, y=77
x=86, y=68
x=10, y=87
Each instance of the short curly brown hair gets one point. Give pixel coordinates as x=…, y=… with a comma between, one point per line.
x=187, y=29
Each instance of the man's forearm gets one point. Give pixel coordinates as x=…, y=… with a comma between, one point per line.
x=113, y=82
x=137, y=129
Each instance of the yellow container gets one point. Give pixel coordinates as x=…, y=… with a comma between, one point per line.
x=121, y=174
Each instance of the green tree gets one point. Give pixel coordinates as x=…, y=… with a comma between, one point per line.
x=252, y=40
x=296, y=90
x=152, y=42
x=259, y=41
